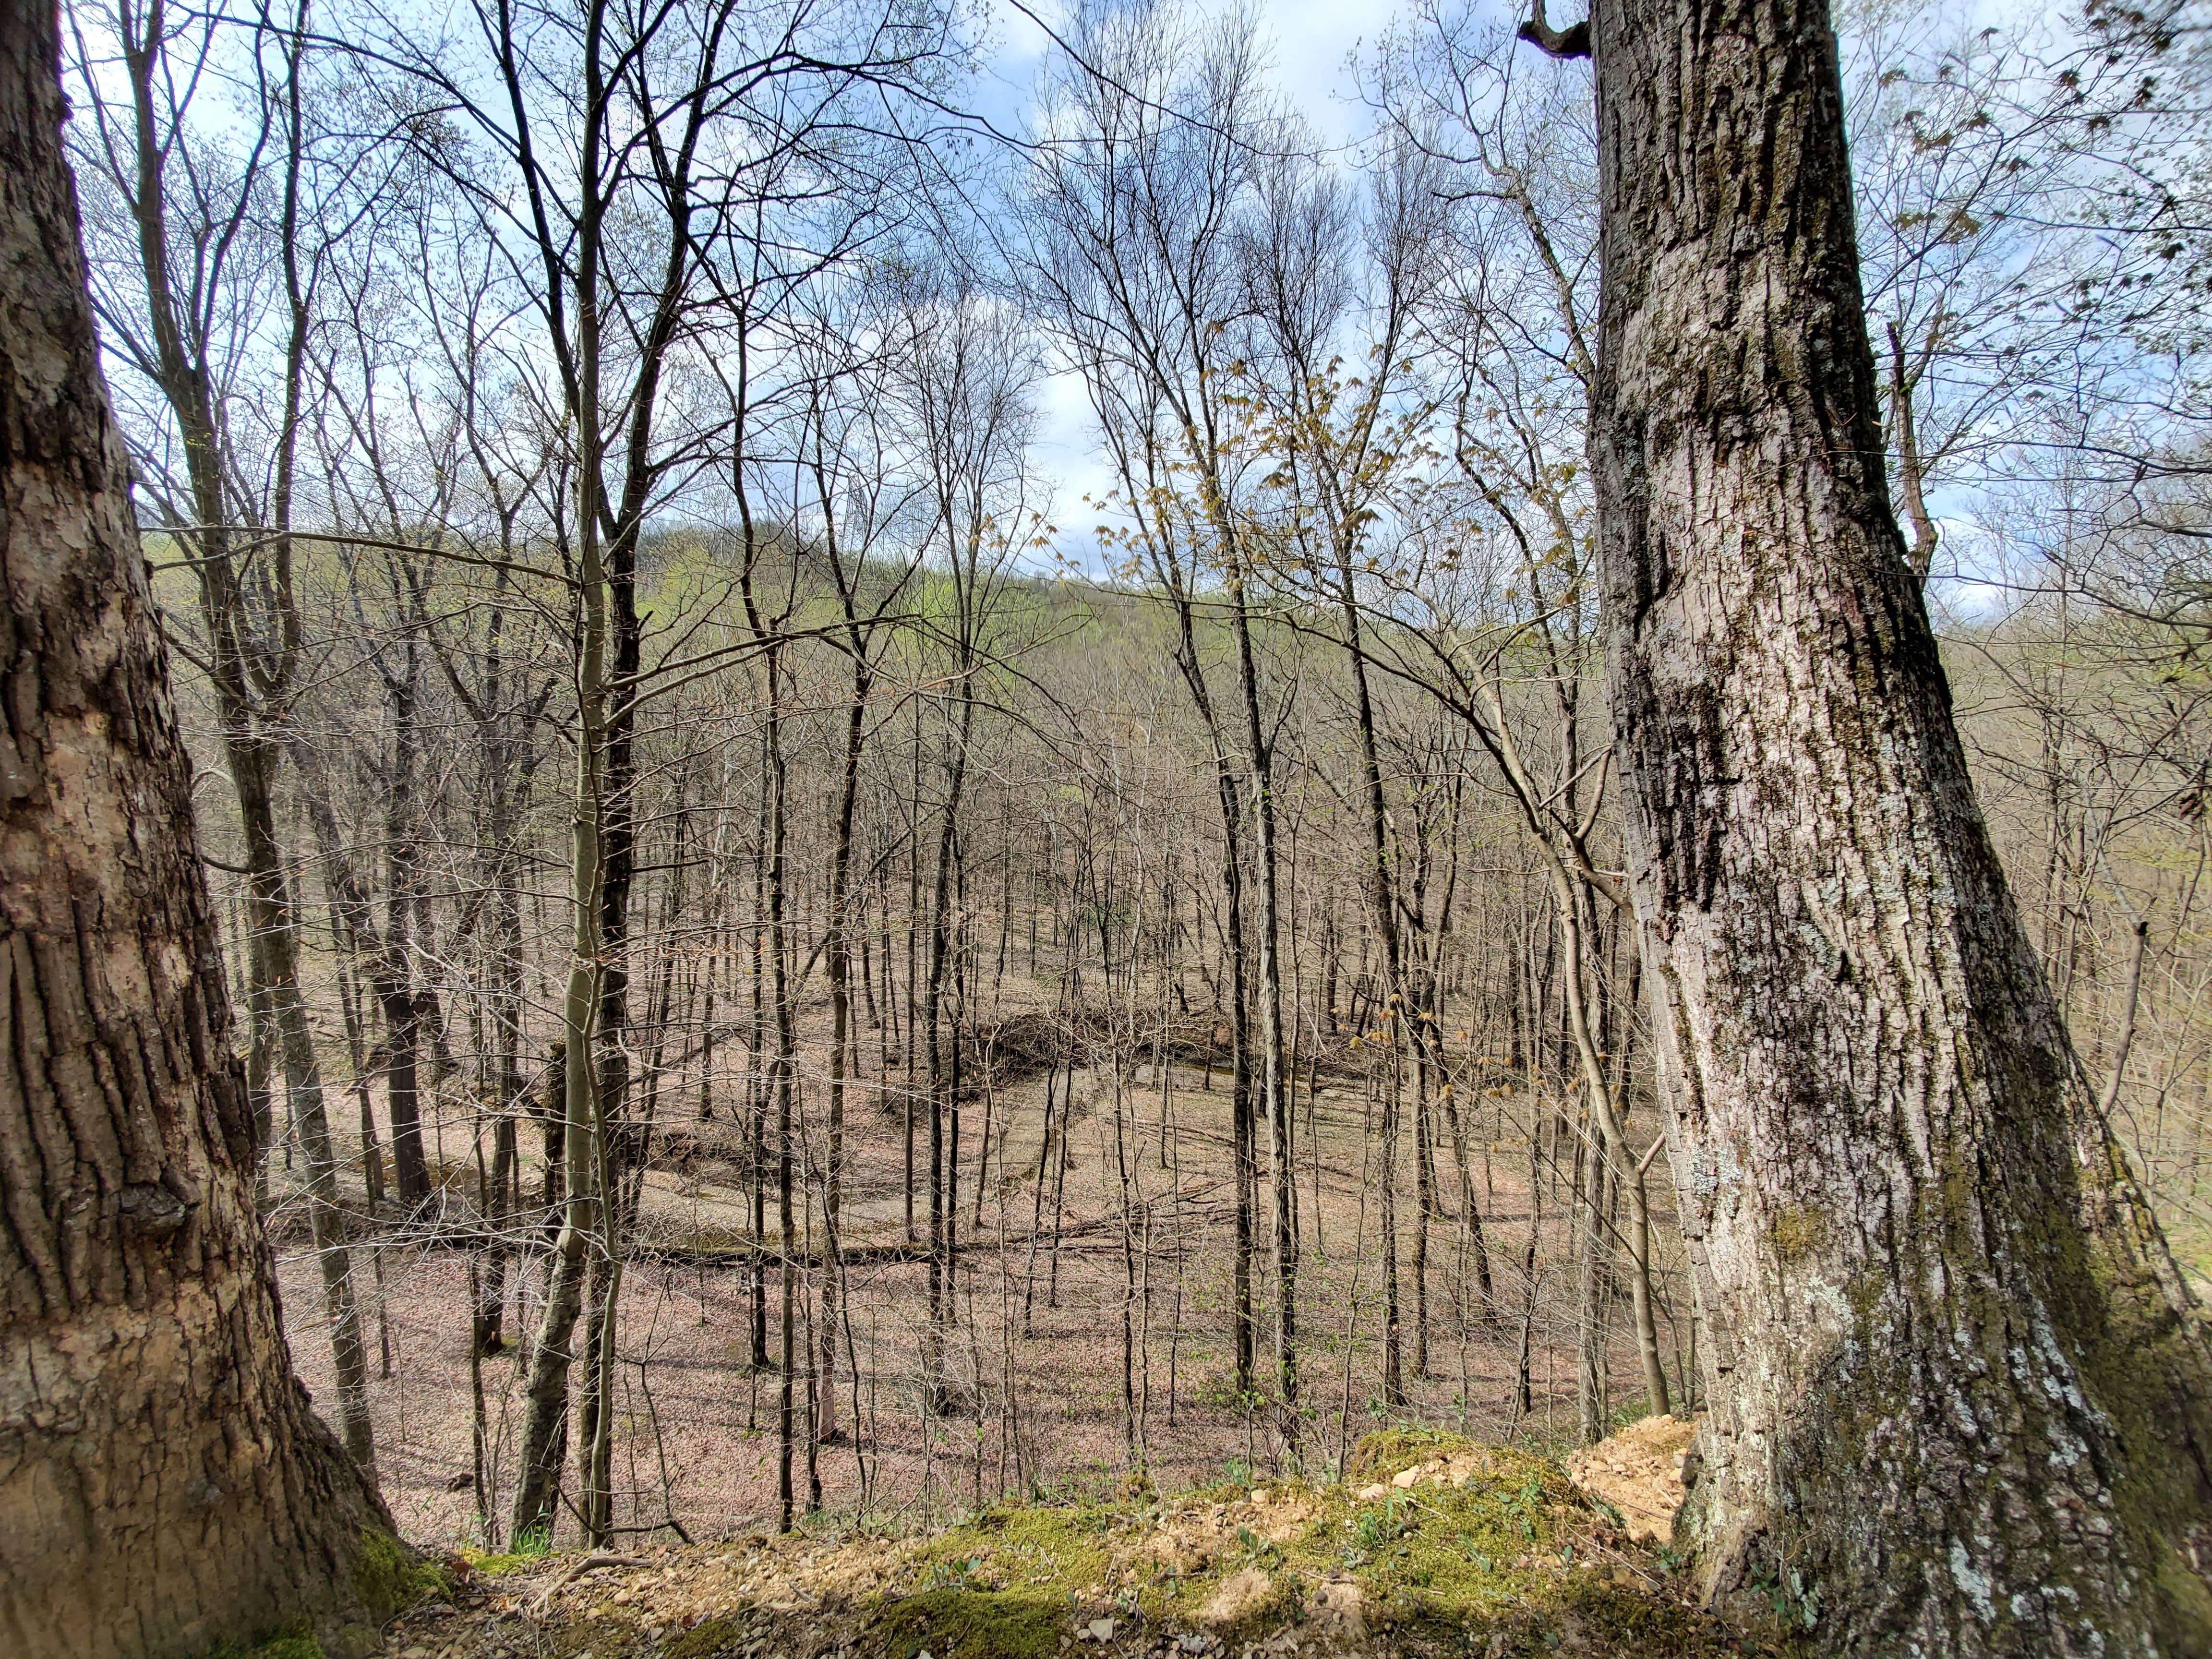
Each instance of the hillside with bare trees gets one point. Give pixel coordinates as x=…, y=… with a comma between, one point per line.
x=935, y=779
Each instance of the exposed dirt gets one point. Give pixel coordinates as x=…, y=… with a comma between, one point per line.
x=1639, y=1472
x=1032, y=1402
x=1089, y=1329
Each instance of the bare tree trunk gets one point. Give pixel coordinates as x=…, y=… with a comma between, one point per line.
x=787, y=1040
x=393, y=973
x=1425, y=1194
x=756, y=1083
x=1274, y=1091
x=1386, y=1182
x=838, y=954
x=143, y=1374
x=944, y=1068
x=1593, y=1335
x=1238, y=966
x=545, y=1411
x=1946, y=1416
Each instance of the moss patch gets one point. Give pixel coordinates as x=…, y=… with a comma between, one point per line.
x=1799, y=1231
x=1482, y=1549
x=1511, y=1550
x=294, y=1640
x=972, y=1624
x=491, y=1564
x=706, y=1640
x=390, y=1578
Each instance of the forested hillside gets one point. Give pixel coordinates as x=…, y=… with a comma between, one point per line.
x=1087, y=1324
x=935, y=772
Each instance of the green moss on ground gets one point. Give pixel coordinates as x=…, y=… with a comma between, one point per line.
x=294, y=1640
x=487, y=1564
x=1516, y=1552
x=391, y=1577
x=1512, y=1561
x=968, y=1624
x=705, y=1641
x=388, y=1577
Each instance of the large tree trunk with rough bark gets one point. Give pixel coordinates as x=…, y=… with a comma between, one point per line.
x=1957, y=1395
x=163, y=1484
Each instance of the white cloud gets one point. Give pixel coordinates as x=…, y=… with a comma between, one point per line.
x=1311, y=44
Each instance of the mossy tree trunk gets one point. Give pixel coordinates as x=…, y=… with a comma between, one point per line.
x=1957, y=1395
x=163, y=1483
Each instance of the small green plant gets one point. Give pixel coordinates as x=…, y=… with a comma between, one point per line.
x=954, y=1575
x=1764, y=1583
x=1236, y=1472
x=1529, y=1504
x=1792, y=1601
x=1218, y=1392
x=1376, y=1528
x=1258, y=1552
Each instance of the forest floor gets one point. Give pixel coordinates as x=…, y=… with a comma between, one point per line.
x=1431, y=1543
x=1137, y=1227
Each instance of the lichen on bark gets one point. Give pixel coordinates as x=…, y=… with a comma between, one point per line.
x=1958, y=1391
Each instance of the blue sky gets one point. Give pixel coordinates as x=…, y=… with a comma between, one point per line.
x=1310, y=41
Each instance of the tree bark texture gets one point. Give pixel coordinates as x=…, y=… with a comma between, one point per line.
x=163, y=1483
x=1957, y=1405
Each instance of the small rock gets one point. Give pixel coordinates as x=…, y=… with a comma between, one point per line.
x=1371, y=1494
x=1405, y=1478
x=1099, y=1630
